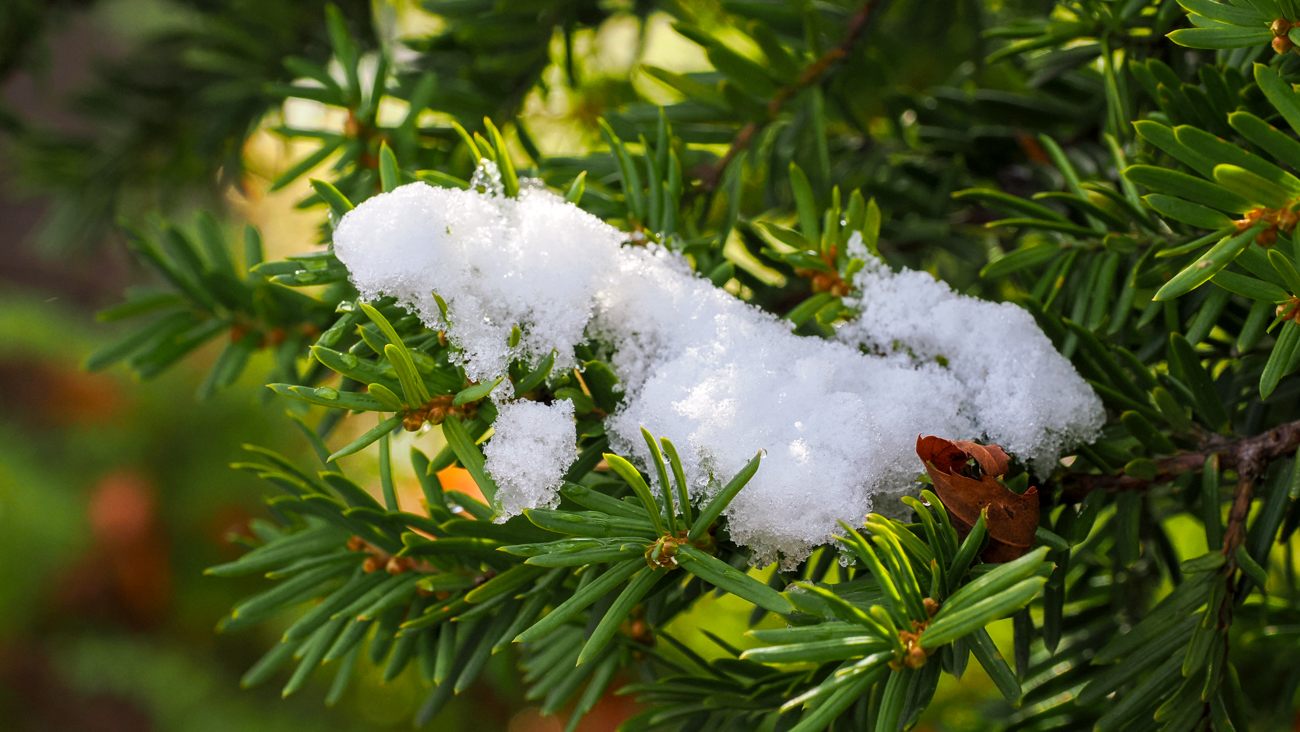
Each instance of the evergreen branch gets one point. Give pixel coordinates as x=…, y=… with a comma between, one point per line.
x=1250, y=463
x=813, y=74
x=1247, y=455
x=589, y=582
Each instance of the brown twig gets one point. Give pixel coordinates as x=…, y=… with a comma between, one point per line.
x=811, y=75
x=1248, y=469
x=1251, y=461
x=1249, y=457
x=1246, y=455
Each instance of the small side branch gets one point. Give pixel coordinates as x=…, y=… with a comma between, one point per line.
x=813, y=74
x=1248, y=455
x=1249, y=466
x=1241, y=497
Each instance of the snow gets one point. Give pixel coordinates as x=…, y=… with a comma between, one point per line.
x=497, y=263
x=533, y=445
x=1013, y=380
x=837, y=419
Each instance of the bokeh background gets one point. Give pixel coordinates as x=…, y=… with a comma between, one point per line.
x=116, y=494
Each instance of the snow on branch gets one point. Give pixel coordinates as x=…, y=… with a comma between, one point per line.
x=721, y=378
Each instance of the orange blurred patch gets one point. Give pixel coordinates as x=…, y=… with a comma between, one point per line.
x=1032, y=148
x=52, y=394
x=459, y=479
x=126, y=573
x=610, y=712
x=122, y=509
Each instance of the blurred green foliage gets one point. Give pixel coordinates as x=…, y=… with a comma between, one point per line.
x=115, y=496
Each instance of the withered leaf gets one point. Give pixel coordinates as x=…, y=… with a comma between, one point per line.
x=965, y=476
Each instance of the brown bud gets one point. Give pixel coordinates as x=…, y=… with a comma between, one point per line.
x=396, y=565
x=352, y=126
x=639, y=631
x=356, y=543
x=413, y=420
x=931, y=606
x=915, y=657
x=1289, y=310
x=1282, y=44
x=370, y=565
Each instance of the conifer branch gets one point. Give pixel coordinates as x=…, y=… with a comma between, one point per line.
x=1247, y=456
x=813, y=74
x=1250, y=464
x=544, y=525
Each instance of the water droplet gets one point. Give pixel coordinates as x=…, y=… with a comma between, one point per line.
x=325, y=392
x=487, y=178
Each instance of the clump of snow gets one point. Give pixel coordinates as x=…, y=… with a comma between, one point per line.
x=533, y=445
x=1016, y=386
x=838, y=420
x=498, y=263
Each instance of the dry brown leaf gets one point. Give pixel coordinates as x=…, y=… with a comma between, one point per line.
x=965, y=476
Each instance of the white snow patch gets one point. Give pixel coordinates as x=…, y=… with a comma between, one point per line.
x=1016, y=388
x=838, y=420
x=498, y=263
x=532, y=447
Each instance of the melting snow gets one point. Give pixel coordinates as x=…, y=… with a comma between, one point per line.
x=838, y=419
x=534, y=444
